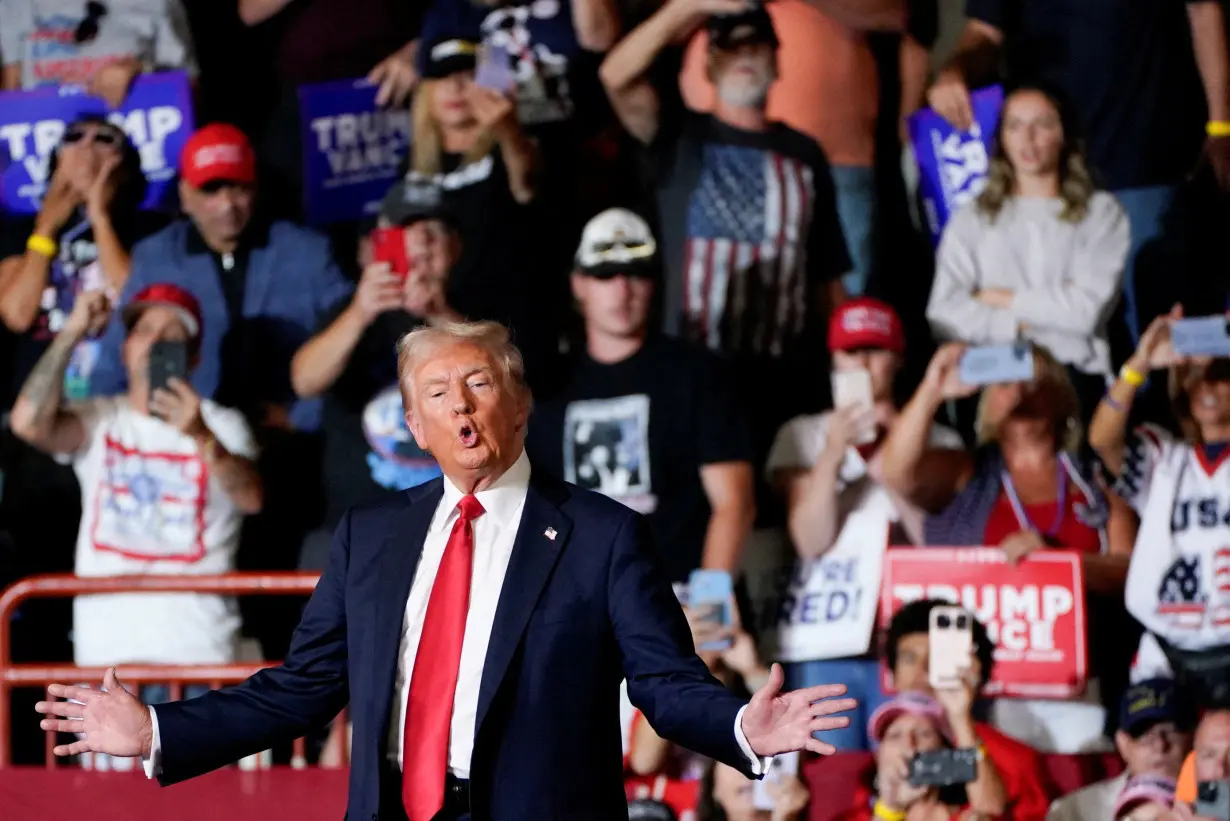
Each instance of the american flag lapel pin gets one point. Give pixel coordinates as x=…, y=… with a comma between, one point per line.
x=549, y=533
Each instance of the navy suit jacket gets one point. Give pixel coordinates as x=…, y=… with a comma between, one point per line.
x=576, y=614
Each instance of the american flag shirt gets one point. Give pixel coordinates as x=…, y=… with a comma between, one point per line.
x=1179, y=578
x=760, y=232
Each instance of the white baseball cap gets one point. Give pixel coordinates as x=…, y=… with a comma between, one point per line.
x=617, y=241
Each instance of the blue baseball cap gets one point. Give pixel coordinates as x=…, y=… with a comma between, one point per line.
x=1148, y=703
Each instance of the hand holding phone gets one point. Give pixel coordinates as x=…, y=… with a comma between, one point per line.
x=1201, y=336
x=167, y=361
x=950, y=638
x=1213, y=800
x=944, y=768
x=852, y=389
x=711, y=600
x=996, y=364
x=494, y=70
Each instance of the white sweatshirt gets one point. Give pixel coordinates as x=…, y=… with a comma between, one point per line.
x=1064, y=277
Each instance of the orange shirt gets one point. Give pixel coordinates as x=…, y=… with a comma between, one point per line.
x=827, y=86
x=1185, y=790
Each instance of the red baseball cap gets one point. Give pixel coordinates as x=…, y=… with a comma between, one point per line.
x=866, y=323
x=218, y=152
x=168, y=296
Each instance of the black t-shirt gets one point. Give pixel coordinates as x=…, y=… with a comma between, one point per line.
x=1128, y=71
x=76, y=268
x=639, y=431
x=369, y=452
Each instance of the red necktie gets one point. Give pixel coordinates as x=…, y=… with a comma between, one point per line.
x=433, y=683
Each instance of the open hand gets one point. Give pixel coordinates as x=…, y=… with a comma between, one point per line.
x=110, y=720
x=179, y=406
x=776, y=722
x=112, y=81
x=396, y=76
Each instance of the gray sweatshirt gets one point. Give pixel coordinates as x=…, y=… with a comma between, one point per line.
x=1064, y=277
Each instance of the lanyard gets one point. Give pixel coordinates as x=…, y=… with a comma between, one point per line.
x=1022, y=517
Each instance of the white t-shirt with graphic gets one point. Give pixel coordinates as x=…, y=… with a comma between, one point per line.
x=41, y=36
x=150, y=506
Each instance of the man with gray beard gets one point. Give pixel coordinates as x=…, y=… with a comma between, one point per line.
x=752, y=247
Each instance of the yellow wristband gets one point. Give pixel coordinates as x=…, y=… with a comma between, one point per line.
x=40, y=244
x=1131, y=376
x=886, y=814
x=1217, y=128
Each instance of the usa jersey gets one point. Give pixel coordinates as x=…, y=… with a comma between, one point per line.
x=1179, y=579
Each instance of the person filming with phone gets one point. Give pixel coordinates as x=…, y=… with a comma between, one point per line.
x=1028, y=486
x=166, y=479
x=1177, y=485
x=925, y=769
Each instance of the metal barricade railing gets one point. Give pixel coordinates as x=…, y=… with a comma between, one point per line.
x=176, y=676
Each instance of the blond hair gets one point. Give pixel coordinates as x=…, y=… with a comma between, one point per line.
x=1065, y=419
x=416, y=347
x=426, y=145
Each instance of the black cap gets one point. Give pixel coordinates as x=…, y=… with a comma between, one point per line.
x=447, y=55
x=1152, y=702
x=727, y=31
x=413, y=200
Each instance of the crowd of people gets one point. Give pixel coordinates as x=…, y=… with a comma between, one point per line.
x=693, y=218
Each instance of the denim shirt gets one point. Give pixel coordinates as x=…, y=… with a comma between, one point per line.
x=292, y=283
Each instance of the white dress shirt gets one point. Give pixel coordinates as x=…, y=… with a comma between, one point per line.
x=494, y=535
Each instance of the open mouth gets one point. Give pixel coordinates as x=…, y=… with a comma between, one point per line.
x=467, y=436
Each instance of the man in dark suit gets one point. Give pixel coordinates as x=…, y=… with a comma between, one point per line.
x=479, y=626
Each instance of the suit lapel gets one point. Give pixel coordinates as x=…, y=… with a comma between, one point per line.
x=540, y=539
x=398, y=561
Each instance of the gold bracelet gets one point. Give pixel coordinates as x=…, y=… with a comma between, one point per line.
x=887, y=813
x=1217, y=128
x=40, y=244
x=1132, y=376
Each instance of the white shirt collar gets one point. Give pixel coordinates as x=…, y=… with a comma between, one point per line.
x=501, y=500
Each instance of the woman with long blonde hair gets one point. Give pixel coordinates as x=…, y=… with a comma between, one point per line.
x=1040, y=253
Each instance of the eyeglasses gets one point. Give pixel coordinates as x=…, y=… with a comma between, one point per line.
x=102, y=136
x=87, y=29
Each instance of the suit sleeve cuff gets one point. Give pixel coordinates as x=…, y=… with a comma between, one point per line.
x=153, y=764
x=759, y=765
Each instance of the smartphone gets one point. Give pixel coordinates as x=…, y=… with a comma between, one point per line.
x=711, y=593
x=494, y=69
x=389, y=247
x=853, y=389
x=1201, y=336
x=167, y=360
x=1213, y=800
x=781, y=765
x=951, y=639
x=943, y=768
x=994, y=364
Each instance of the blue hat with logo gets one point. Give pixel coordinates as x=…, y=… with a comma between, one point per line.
x=1148, y=703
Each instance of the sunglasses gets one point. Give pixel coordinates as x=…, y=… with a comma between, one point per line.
x=102, y=136
x=87, y=29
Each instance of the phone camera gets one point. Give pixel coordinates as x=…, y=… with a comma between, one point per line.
x=943, y=622
x=962, y=622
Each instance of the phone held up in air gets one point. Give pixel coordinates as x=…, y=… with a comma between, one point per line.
x=1213, y=800
x=996, y=364
x=494, y=69
x=853, y=389
x=1201, y=336
x=389, y=247
x=944, y=768
x=951, y=638
x=711, y=594
x=167, y=361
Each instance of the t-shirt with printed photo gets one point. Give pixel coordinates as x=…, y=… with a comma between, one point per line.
x=640, y=431
x=151, y=506
x=66, y=41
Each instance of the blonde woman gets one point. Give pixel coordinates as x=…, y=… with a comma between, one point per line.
x=1040, y=253
x=1026, y=488
x=469, y=153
